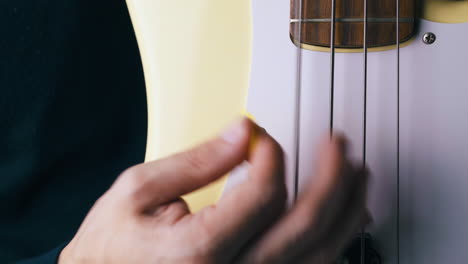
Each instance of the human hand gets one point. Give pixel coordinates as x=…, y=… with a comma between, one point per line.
x=328, y=213
x=141, y=219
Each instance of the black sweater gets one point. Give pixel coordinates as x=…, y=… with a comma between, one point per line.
x=72, y=116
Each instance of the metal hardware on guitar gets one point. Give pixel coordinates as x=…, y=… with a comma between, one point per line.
x=429, y=38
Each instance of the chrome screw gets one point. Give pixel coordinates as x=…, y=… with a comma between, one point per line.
x=429, y=38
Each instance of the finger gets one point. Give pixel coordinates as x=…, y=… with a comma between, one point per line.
x=252, y=205
x=171, y=212
x=335, y=178
x=343, y=229
x=311, y=214
x=162, y=181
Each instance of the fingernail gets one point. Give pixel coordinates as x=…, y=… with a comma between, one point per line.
x=234, y=133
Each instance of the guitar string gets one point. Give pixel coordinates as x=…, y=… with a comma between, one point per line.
x=332, y=90
x=298, y=84
x=364, y=128
x=332, y=65
x=398, y=132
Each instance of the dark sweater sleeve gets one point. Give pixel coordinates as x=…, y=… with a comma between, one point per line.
x=50, y=257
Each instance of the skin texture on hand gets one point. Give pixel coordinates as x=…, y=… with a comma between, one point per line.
x=142, y=219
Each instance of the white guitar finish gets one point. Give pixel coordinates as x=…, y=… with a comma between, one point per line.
x=434, y=127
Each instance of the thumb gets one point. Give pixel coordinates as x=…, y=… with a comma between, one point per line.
x=164, y=180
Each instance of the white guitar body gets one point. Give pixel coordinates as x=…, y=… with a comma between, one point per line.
x=433, y=209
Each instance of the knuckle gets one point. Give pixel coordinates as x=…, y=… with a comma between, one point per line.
x=206, y=227
x=134, y=176
x=177, y=209
x=132, y=181
x=195, y=159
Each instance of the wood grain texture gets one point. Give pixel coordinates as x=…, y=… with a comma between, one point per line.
x=351, y=34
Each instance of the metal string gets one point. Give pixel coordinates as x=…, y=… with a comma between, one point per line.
x=332, y=64
x=364, y=128
x=398, y=131
x=332, y=91
x=297, y=121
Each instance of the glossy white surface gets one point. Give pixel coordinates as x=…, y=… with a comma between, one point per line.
x=434, y=127
x=434, y=154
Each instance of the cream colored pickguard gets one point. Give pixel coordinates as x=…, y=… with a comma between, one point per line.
x=196, y=58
